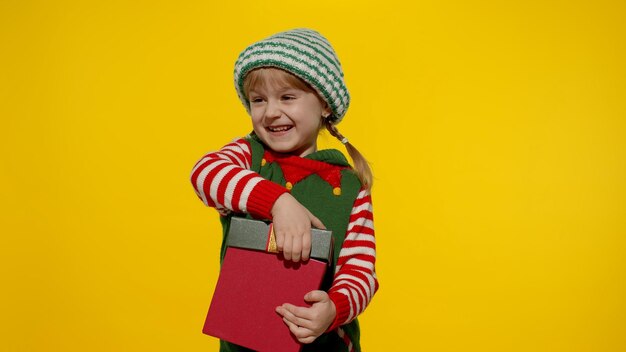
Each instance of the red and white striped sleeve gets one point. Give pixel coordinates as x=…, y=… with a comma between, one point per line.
x=223, y=180
x=355, y=276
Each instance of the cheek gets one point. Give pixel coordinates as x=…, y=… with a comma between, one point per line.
x=257, y=125
x=314, y=125
x=256, y=117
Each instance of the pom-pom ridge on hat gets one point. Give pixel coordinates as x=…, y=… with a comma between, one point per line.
x=304, y=53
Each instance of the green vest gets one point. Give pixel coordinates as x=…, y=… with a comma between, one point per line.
x=333, y=210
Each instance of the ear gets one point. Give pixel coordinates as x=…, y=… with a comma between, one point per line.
x=326, y=111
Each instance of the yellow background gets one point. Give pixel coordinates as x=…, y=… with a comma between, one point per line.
x=496, y=131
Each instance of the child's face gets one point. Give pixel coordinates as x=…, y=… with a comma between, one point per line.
x=287, y=119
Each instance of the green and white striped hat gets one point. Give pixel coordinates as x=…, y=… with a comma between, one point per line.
x=306, y=54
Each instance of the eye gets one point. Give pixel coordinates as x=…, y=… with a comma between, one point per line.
x=256, y=100
x=288, y=97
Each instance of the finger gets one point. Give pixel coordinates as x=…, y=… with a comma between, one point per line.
x=296, y=249
x=304, y=313
x=288, y=316
x=293, y=327
x=306, y=246
x=300, y=332
x=315, y=296
x=307, y=339
x=287, y=247
x=317, y=223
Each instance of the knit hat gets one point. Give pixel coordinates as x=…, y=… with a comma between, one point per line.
x=304, y=53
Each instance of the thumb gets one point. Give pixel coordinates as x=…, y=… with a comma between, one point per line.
x=315, y=296
x=315, y=221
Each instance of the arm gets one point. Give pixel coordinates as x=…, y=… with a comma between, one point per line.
x=353, y=287
x=355, y=276
x=223, y=180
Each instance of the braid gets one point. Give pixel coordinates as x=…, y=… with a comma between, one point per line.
x=361, y=166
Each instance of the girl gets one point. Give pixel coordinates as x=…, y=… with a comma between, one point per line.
x=292, y=86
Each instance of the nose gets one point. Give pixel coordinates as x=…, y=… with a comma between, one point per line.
x=272, y=109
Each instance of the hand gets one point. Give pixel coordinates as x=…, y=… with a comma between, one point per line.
x=307, y=323
x=292, y=227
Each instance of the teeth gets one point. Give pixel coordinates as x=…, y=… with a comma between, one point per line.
x=279, y=128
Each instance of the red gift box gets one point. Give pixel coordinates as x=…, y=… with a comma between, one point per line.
x=253, y=281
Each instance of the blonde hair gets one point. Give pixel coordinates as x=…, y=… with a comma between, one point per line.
x=265, y=75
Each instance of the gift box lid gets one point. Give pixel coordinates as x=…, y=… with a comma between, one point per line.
x=259, y=235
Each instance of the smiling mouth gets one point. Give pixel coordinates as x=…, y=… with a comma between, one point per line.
x=279, y=128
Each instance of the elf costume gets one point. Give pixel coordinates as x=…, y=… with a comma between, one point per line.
x=245, y=178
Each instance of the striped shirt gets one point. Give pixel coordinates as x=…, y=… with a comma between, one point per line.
x=223, y=180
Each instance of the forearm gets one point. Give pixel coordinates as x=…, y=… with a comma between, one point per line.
x=355, y=280
x=223, y=180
